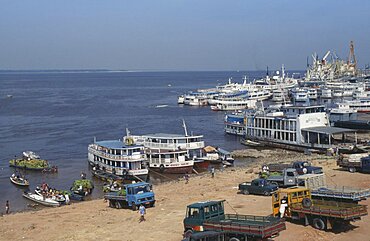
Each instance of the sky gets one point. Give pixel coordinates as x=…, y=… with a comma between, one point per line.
x=179, y=34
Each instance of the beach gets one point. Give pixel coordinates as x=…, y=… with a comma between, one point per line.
x=94, y=220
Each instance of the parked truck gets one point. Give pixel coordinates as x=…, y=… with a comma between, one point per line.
x=210, y=216
x=297, y=204
x=287, y=178
x=320, y=190
x=132, y=196
x=355, y=162
x=258, y=186
x=302, y=167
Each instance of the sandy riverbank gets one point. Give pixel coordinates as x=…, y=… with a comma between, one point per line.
x=94, y=220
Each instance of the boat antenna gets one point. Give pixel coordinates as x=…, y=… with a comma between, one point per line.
x=127, y=132
x=94, y=139
x=267, y=71
x=185, y=129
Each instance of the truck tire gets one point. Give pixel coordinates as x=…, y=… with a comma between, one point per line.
x=306, y=202
x=112, y=203
x=118, y=205
x=188, y=233
x=234, y=239
x=266, y=193
x=161, y=168
x=245, y=192
x=133, y=207
x=352, y=169
x=319, y=223
x=151, y=204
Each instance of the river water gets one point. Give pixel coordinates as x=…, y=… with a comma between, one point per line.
x=57, y=114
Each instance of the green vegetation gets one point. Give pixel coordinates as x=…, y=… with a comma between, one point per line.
x=85, y=183
x=122, y=192
x=36, y=163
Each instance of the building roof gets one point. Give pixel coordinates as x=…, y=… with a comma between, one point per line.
x=328, y=130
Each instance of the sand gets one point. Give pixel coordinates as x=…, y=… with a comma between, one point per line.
x=94, y=220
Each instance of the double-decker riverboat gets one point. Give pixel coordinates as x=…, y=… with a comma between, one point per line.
x=121, y=158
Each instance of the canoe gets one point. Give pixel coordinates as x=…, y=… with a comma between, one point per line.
x=20, y=181
x=58, y=198
x=39, y=199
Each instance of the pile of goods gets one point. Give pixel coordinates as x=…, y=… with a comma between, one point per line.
x=32, y=164
x=82, y=187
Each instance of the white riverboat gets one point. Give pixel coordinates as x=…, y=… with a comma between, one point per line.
x=307, y=129
x=300, y=95
x=121, y=158
x=361, y=105
x=238, y=104
x=171, y=153
x=234, y=123
x=326, y=93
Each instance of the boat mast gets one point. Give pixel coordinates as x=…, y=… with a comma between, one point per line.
x=185, y=129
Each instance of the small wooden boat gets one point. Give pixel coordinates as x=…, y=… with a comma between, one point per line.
x=250, y=143
x=106, y=176
x=41, y=200
x=19, y=181
x=59, y=197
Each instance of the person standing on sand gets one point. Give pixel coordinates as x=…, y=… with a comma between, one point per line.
x=7, y=207
x=186, y=177
x=142, y=212
x=213, y=172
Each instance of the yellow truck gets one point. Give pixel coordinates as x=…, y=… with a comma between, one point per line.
x=296, y=204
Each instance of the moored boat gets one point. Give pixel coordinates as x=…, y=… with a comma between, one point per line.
x=41, y=200
x=19, y=181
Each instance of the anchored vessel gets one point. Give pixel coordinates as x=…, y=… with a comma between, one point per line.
x=123, y=159
x=171, y=153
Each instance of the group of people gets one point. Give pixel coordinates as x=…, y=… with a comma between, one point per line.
x=48, y=192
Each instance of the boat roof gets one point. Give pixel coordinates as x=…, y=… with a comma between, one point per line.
x=115, y=144
x=328, y=130
x=172, y=136
x=202, y=204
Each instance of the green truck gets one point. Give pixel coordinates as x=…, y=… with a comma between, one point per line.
x=210, y=216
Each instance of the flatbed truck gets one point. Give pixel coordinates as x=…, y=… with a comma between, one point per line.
x=132, y=196
x=210, y=216
x=321, y=214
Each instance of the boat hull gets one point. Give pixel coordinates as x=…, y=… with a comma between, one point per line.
x=201, y=164
x=40, y=201
x=22, y=184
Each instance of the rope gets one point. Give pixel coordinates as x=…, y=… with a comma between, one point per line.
x=232, y=207
x=172, y=179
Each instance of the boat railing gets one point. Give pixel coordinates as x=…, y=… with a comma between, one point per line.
x=174, y=146
x=132, y=157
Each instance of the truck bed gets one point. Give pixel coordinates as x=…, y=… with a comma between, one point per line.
x=349, y=193
x=346, y=211
x=256, y=226
x=114, y=196
x=278, y=167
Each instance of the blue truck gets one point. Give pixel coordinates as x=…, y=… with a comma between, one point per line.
x=132, y=196
x=258, y=186
x=355, y=162
x=302, y=167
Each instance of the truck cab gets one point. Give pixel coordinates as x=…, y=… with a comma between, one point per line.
x=132, y=195
x=291, y=196
x=197, y=213
x=287, y=178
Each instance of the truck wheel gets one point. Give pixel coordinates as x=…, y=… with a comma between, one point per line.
x=352, y=169
x=151, y=204
x=133, y=207
x=234, y=239
x=266, y=193
x=319, y=224
x=161, y=168
x=306, y=202
x=245, y=192
x=188, y=233
x=112, y=203
x=118, y=205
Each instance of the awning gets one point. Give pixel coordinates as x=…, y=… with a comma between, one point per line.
x=328, y=130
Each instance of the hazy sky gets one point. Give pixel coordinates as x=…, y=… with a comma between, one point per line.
x=179, y=34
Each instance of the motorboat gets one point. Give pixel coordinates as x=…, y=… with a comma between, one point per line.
x=49, y=202
x=19, y=181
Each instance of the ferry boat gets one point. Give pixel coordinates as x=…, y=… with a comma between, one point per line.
x=279, y=95
x=195, y=99
x=234, y=123
x=326, y=93
x=121, y=158
x=239, y=104
x=300, y=95
x=171, y=153
x=305, y=130
x=180, y=99
x=361, y=105
x=312, y=93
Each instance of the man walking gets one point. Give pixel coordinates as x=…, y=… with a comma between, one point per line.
x=7, y=207
x=142, y=212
